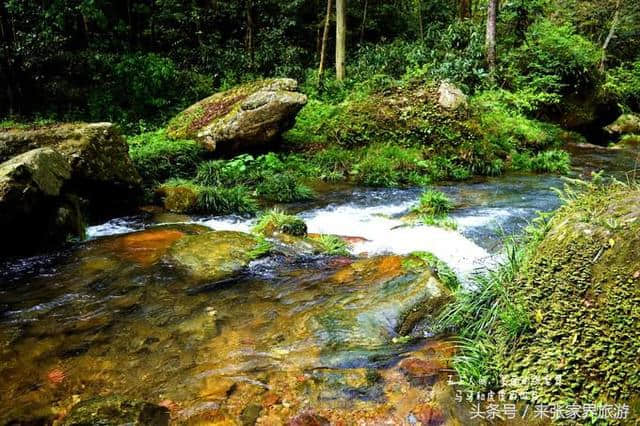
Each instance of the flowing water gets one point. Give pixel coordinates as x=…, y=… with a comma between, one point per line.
x=290, y=335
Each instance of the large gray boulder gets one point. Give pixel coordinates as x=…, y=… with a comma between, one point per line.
x=246, y=116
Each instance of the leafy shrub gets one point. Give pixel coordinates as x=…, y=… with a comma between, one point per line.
x=220, y=200
x=554, y=60
x=283, y=188
x=623, y=85
x=158, y=158
x=277, y=220
x=552, y=161
x=434, y=203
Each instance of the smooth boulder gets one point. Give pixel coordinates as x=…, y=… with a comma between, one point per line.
x=247, y=116
x=450, y=96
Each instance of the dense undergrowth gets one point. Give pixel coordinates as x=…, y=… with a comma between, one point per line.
x=564, y=304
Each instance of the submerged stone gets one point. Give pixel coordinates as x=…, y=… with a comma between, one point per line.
x=215, y=255
x=246, y=116
x=116, y=410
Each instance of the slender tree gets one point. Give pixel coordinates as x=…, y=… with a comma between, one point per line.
x=612, y=31
x=419, y=18
x=490, y=41
x=325, y=37
x=341, y=37
x=364, y=20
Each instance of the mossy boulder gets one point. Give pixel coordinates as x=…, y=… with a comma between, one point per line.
x=625, y=124
x=51, y=173
x=96, y=152
x=116, y=410
x=216, y=255
x=178, y=198
x=581, y=288
x=246, y=116
x=33, y=211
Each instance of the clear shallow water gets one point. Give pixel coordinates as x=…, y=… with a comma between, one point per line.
x=112, y=316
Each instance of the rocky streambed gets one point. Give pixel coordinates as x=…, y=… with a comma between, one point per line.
x=158, y=317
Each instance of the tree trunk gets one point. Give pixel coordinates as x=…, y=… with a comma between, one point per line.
x=490, y=41
x=465, y=9
x=419, y=17
x=341, y=38
x=612, y=31
x=249, y=36
x=325, y=37
x=364, y=21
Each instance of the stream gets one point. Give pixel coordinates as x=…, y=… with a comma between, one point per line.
x=291, y=336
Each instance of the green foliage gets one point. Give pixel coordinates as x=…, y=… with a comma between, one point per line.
x=445, y=274
x=503, y=120
x=554, y=60
x=309, y=123
x=283, y=188
x=553, y=161
x=185, y=196
x=434, y=203
x=488, y=320
x=147, y=87
x=623, y=85
x=332, y=245
x=277, y=220
x=261, y=249
x=158, y=158
x=433, y=209
x=220, y=200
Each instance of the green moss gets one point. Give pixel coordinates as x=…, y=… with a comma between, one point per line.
x=568, y=305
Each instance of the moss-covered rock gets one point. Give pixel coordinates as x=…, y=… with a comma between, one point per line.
x=581, y=288
x=33, y=212
x=216, y=255
x=116, y=410
x=96, y=152
x=625, y=124
x=179, y=198
x=247, y=115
